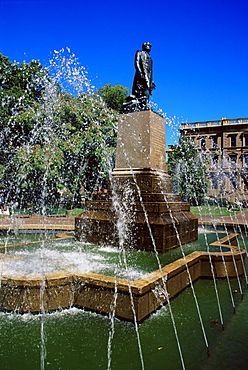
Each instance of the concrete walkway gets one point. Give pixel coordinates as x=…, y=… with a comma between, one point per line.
x=37, y=222
x=240, y=219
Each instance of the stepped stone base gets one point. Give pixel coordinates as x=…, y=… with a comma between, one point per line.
x=164, y=232
x=154, y=220
x=140, y=211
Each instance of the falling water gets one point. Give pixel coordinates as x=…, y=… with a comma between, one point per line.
x=122, y=235
x=85, y=336
x=126, y=220
x=213, y=274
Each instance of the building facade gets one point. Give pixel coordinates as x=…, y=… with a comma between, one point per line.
x=225, y=142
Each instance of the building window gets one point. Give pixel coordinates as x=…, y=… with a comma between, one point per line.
x=246, y=160
x=246, y=140
x=203, y=142
x=233, y=159
x=234, y=182
x=215, y=160
x=233, y=141
x=214, y=183
x=215, y=142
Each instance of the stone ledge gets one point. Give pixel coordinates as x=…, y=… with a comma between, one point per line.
x=96, y=292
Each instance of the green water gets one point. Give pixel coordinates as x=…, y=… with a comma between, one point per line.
x=72, y=255
x=74, y=339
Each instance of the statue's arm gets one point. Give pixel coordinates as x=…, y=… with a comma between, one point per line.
x=139, y=64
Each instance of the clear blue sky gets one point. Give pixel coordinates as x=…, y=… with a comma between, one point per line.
x=200, y=50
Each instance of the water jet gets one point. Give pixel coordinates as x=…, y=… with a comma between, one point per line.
x=94, y=291
x=154, y=221
x=144, y=190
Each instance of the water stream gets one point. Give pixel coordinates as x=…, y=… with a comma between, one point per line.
x=72, y=255
x=174, y=337
x=76, y=339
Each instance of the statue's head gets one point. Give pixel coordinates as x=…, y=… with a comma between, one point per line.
x=146, y=46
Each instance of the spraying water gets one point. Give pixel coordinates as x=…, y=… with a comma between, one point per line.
x=52, y=153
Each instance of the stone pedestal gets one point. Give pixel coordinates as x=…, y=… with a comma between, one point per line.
x=141, y=141
x=141, y=211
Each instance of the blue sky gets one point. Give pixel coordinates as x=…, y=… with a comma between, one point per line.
x=199, y=51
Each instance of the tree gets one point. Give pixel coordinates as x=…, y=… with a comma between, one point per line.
x=113, y=96
x=187, y=167
x=90, y=144
x=50, y=139
x=69, y=148
x=21, y=87
x=21, y=93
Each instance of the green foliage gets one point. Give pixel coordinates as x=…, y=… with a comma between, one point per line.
x=76, y=153
x=187, y=167
x=75, y=212
x=113, y=96
x=37, y=173
x=50, y=139
x=21, y=87
x=214, y=211
x=89, y=144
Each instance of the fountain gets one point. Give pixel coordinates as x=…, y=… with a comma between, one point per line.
x=155, y=219
x=141, y=215
x=83, y=337
x=136, y=299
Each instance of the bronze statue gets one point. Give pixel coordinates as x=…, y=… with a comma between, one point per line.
x=143, y=83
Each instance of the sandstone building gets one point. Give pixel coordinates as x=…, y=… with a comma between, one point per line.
x=226, y=144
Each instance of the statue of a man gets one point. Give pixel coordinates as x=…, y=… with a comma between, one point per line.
x=143, y=83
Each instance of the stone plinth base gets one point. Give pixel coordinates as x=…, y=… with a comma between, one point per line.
x=141, y=211
x=149, y=217
x=141, y=141
x=161, y=234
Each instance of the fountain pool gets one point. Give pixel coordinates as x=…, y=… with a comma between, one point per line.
x=75, y=338
x=123, y=284
x=36, y=254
